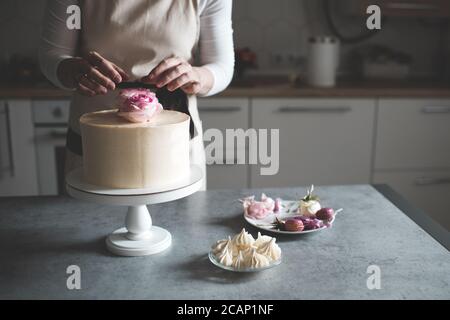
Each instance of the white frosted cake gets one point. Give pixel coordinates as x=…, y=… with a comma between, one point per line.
x=119, y=153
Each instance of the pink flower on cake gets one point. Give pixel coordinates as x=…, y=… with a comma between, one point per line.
x=138, y=105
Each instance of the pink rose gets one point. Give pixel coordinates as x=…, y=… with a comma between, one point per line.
x=257, y=210
x=260, y=209
x=268, y=202
x=138, y=105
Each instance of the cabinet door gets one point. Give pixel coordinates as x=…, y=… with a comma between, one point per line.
x=322, y=141
x=222, y=114
x=17, y=152
x=413, y=133
x=428, y=190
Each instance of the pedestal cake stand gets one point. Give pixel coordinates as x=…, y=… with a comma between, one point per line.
x=139, y=237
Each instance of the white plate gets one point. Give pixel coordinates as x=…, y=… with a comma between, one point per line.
x=288, y=210
x=212, y=258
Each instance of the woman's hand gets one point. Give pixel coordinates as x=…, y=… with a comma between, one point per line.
x=91, y=75
x=176, y=73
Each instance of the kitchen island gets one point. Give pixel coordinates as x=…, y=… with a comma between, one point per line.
x=40, y=237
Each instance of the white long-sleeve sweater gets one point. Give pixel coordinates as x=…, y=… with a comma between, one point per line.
x=216, y=40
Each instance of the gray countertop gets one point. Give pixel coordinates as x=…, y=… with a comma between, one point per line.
x=41, y=236
x=266, y=87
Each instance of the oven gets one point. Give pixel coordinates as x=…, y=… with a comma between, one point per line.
x=50, y=119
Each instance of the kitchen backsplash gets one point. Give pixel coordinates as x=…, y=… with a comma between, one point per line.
x=281, y=28
x=20, y=22
x=276, y=30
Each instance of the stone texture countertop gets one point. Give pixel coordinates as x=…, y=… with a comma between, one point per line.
x=41, y=236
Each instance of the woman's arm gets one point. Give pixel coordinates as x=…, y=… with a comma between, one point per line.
x=63, y=65
x=58, y=43
x=216, y=55
x=216, y=42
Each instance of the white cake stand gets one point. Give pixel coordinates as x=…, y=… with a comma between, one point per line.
x=139, y=237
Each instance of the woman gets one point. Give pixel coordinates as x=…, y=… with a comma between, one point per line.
x=151, y=41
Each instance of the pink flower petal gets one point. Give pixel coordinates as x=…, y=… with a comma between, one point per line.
x=138, y=105
x=277, y=206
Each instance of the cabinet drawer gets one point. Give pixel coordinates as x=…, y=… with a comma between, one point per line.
x=222, y=113
x=427, y=190
x=322, y=141
x=413, y=134
x=51, y=111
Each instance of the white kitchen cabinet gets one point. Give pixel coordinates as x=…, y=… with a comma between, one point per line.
x=17, y=152
x=222, y=114
x=322, y=141
x=428, y=190
x=50, y=119
x=413, y=134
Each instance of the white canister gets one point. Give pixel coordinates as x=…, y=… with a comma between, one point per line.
x=323, y=61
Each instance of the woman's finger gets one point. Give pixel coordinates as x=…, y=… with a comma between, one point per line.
x=179, y=82
x=96, y=76
x=123, y=74
x=173, y=73
x=104, y=66
x=92, y=85
x=162, y=67
x=85, y=91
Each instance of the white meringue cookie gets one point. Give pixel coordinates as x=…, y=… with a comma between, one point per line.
x=254, y=259
x=243, y=240
x=271, y=250
x=309, y=205
x=309, y=208
x=239, y=261
x=243, y=251
x=220, y=245
x=261, y=240
x=225, y=256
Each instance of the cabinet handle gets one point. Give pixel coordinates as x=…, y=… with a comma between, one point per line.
x=57, y=134
x=9, y=168
x=342, y=109
x=57, y=112
x=219, y=109
x=436, y=109
x=424, y=181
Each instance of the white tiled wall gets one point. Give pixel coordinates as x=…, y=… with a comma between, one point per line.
x=269, y=27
